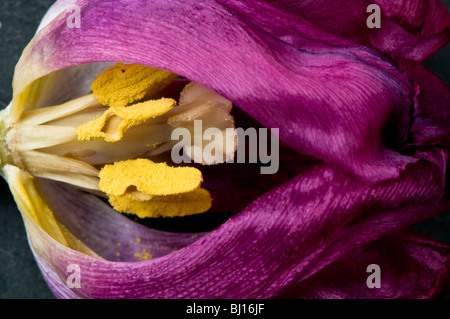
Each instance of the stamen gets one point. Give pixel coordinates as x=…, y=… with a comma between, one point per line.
x=115, y=121
x=213, y=111
x=51, y=113
x=63, y=142
x=29, y=137
x=195, y=202
x=124, y=84
x=145, y=176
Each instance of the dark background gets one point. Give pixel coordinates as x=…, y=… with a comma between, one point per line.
x=19, y=274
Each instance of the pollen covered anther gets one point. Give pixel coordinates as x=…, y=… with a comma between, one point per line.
x=125, y=84
x=115, y=121
x=154, y=179
x=149, y=189
x=195, y=202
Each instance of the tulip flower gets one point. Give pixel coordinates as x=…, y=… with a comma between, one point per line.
x=363, y=129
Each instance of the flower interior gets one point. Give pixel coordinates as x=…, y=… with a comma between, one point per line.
x=115, y=142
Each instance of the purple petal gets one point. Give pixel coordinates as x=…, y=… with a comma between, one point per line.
x=58, y=287
x=58, y=7
x=70, y=83
x=283, y=238
x=412, y=29
x=411, y=266
x=106, y=232
x=310, y=84
x=430, y=126
x=420, y=17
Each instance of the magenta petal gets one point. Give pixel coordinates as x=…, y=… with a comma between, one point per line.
x=420, y=17
x=431, y=119
x=411, y=266
x=57, y=7
x=106, y=232
x=284, y=237
x=57, y=286
x=411, y=29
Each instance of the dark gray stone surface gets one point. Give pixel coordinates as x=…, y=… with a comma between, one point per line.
x=19, y=274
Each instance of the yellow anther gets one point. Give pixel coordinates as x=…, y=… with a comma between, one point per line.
x=141, y=112
x=124, y=84
x=115, y=121
x=195, y=202
x=149, y=178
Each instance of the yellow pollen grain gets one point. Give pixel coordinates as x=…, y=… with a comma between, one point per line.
x=124, y=84
x=115, y=121
x=143, y=175
x=143, y=255
x=195, y=202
